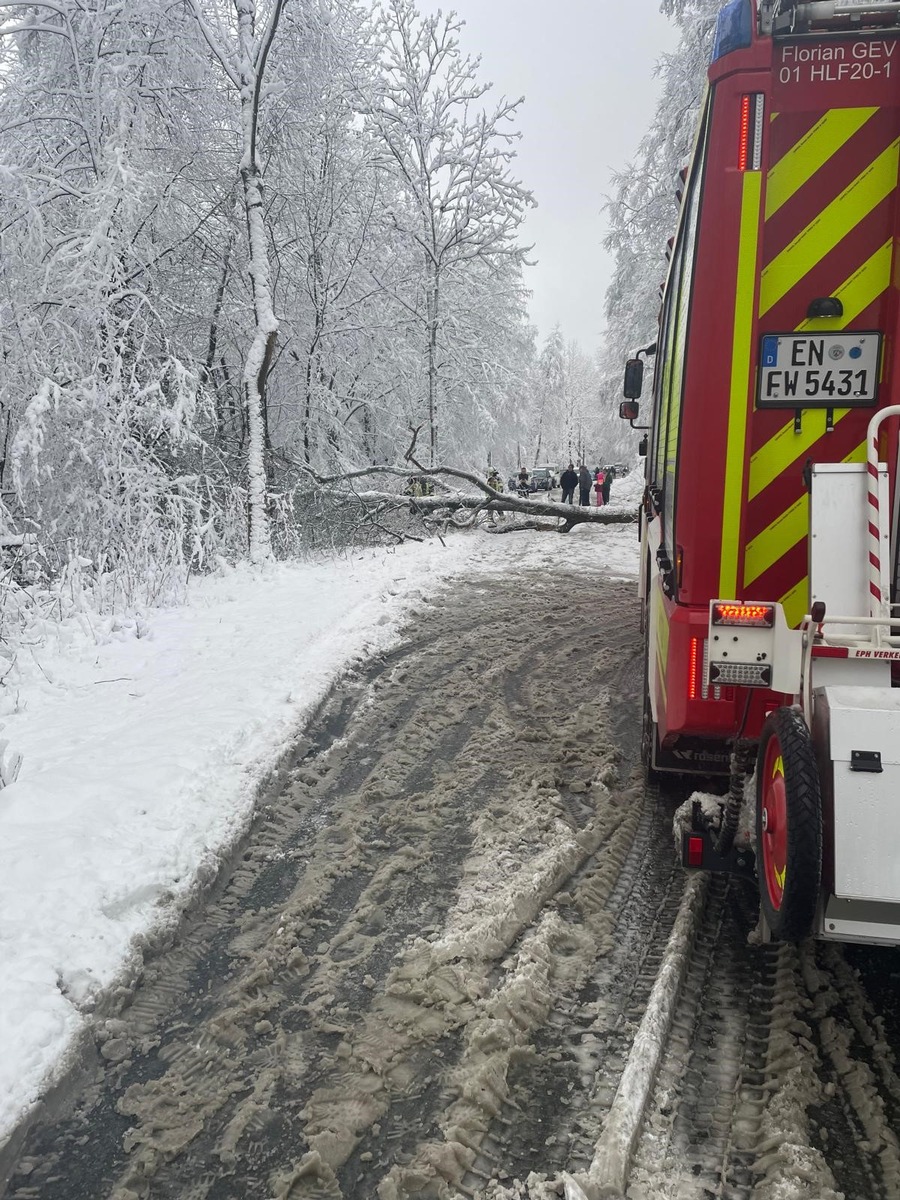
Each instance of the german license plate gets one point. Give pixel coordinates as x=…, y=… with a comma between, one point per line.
x=818, y=370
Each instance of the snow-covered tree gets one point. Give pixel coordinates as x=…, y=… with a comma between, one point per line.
x=175, y=175
x=242, y=45
x=102, y=408
x=643, y=210
x=459, y=204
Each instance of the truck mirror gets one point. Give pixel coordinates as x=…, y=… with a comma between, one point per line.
x=629, y=409
x=642, y=446
x=634, y=379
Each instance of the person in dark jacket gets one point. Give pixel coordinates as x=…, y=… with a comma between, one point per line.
x=609, y=476
x=584, y=486
x=568, y=481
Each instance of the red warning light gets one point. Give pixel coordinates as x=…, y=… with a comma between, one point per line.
x=695, y=850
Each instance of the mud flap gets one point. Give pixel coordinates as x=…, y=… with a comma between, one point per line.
x=692, y=756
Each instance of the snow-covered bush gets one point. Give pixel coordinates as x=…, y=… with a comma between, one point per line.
x=106, y=469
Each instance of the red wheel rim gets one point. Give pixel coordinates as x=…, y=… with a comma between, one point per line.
x=774, y=831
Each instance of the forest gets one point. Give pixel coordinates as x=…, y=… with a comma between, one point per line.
x=247, y=245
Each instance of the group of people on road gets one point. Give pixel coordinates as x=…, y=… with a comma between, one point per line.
x=584, y=480
x=419, y=487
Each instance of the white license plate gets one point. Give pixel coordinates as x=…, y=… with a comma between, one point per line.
x=837, y=370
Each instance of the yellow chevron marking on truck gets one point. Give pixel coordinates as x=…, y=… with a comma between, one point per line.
x=776, y=539
x=787, y=447
x=863, y=288
x=774, y=458
x=796, y=603
x=856, y=456
x=784, y=533
x=827, y=229
x=833, y=130
x=742, y=341
x=856, y=294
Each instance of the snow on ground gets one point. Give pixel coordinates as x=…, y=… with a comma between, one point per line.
x=144, y=747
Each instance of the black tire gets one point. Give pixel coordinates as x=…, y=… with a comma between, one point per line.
x=788, y=825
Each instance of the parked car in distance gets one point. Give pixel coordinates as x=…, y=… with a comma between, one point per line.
x=544, y=478
x=620, y=469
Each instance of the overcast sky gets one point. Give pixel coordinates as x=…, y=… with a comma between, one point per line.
x=585, y=68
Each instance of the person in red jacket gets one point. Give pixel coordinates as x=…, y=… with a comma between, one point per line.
x=599, y=480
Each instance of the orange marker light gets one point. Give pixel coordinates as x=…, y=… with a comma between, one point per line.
x=762, y=616
x=744, y=142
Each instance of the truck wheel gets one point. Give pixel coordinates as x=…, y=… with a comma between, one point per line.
x=788, y=825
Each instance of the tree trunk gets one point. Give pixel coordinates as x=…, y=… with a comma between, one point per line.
x=262, y=348
x=212, y=344
x=258, y=357
x=431, y=332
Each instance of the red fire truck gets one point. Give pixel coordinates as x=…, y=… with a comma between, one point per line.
x=769, y=523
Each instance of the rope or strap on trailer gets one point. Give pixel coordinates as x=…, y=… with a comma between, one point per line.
x=879, y=601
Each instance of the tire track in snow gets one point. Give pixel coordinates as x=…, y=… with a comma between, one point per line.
x=566, y=1075
x=773, y=1085
x=857, y=1125
x=700, y=1126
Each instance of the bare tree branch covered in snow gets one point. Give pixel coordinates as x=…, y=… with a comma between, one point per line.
x=563, y=518
x=486, y=502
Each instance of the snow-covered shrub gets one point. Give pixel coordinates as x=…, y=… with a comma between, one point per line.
x=106, y=467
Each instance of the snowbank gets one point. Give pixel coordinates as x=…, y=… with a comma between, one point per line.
x=143, y=754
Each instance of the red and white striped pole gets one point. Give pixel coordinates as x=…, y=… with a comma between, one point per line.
x=879, y=587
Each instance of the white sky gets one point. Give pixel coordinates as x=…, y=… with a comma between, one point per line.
x=585, y=68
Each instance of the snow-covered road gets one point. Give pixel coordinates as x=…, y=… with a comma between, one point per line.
x=145, y=744
x=431, y=947
x=429, y=888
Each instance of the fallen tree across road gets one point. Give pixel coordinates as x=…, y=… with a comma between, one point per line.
x=449, y=504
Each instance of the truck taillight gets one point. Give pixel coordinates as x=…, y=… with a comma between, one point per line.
x=759, y=616
x=751, y=131
x=695, y=658
x=694, y=851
